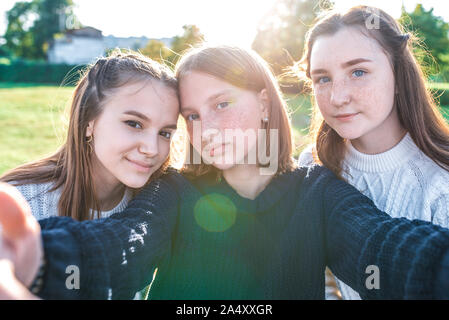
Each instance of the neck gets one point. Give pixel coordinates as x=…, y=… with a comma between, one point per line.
x=246, y=180
x=111, y=192
x=382, y=138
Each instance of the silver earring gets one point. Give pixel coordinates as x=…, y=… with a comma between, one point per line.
x=265, y=119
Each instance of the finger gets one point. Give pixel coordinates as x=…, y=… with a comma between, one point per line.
x=10, y=287
x=14, y=212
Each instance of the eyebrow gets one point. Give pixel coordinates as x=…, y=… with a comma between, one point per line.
x=344, y=65
x=144, y=117
x=354, y=62
x=216, y=95
x=211, y=98
x=137, y=114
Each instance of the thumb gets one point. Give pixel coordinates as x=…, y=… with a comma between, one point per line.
x=14, y=211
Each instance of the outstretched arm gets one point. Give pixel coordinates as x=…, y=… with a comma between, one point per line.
x=19, y=245
x=115, y=257
x=409, y=256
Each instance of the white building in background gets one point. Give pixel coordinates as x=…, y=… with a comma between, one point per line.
x=84, y=45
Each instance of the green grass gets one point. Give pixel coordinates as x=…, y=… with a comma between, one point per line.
x=32, y=121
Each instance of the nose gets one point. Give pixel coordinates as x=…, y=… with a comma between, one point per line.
x=204, y=130
x=340, y=94
x=209, y=130
x=149, y=145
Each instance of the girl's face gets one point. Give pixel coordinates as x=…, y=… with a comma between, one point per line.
x=131, y=137
x=222, y=119
x=354, y=85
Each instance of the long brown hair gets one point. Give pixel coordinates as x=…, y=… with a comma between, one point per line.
x=244, y=69
x=417, y=111
x=70, y=167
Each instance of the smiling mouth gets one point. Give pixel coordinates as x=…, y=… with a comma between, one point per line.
x=140, y=166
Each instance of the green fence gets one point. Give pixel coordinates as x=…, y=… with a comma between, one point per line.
x=38, y=72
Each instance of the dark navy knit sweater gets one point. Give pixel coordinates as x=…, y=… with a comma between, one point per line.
x=210, y=243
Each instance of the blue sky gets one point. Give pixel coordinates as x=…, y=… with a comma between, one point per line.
x=229, y=21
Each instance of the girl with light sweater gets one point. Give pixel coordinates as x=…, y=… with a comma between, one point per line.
x=377, y=126
x=117, y=140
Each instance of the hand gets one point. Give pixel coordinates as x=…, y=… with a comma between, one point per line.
x=10, y=287
x=21, y=236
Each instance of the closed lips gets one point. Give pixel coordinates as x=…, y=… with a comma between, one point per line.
x=140, y=163
x=346, y=115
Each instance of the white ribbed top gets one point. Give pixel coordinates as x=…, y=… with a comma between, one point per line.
x=389, y=160
x=402, y=181
x=44, y=204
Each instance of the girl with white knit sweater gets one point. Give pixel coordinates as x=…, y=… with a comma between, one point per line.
x=123, y=115
x=375, y=124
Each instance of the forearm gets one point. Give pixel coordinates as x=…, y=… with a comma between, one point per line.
x=115, y=256
x=407, y=254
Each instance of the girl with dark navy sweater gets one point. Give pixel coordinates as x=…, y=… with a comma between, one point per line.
x=228, y=228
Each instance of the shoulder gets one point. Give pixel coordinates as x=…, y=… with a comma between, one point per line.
x=172, y=181
x=42, y=199
x=315, y=179
x=433, y=178
x=32, y=191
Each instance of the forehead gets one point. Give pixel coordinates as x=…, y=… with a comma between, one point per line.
x=197, y=87
x=148, y=97
x=346, y=44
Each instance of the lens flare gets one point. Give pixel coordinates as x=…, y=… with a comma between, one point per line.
x=215, y=213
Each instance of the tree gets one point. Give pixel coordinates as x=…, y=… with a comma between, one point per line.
x=192, y=36
x=280, y=36
x=32, y=25
x=156, y=50
x=432, y=31
x=18, y=38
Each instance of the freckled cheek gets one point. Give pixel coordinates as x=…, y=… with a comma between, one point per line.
x=322, y=99
x=375, y=100
x=233, y=120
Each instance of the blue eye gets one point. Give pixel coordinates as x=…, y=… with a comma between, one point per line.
x=324, y=79
x=192, y=117
x=165, y=134
x=222, y=105
x=134, y=124
x=358, y=73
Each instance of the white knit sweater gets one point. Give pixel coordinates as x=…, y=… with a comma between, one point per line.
x=44, y=204
x=402, y=181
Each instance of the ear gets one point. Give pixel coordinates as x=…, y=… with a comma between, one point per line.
x=264, y=102
x=90, y=129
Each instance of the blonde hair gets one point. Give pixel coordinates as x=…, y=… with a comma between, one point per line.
x=247, y=70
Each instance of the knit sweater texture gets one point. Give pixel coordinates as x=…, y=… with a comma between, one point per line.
x=210, y=243
x=44, y=203
x=402, y=181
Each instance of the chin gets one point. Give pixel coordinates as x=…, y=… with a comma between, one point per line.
x=349, y=134
x=223, y=166
x=135, y=183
